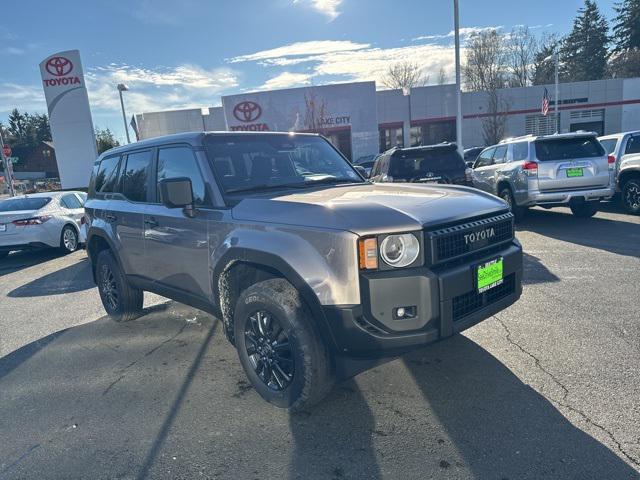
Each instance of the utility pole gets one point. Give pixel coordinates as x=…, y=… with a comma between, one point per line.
x=557, y=55
x=456, y=21
x=8, y=178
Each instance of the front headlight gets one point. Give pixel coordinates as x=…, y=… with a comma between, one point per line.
x=400, y=250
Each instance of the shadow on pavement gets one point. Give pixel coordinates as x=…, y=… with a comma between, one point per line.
x=17, y=261
x=74, y=278
x=335, y=439
x=502, y=427
x=619, y=237
x=535, y=271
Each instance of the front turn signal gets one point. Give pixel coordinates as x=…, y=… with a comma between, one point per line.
x=368, y=253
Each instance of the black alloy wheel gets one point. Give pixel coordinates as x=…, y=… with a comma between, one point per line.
x=108, y=287
x=269, y=350
x=631, y=196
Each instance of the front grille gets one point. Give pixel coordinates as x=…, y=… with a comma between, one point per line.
x=459, y=240
x=471, y=302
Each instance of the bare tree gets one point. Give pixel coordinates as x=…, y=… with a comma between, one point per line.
x=442, y=76
x=405, y=76
x=316, y=112
x=485, y=67
x=522, y=46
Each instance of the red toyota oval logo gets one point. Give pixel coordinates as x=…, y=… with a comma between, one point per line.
x=247, y=111
x=58, y=66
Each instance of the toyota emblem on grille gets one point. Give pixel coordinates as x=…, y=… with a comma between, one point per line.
x=473, y=237
x=58, y=66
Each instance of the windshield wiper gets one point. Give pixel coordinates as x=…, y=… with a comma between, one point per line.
x=330, y=180
x=266, y=186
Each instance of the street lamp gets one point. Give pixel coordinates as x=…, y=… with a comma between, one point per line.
x=556, y=56
x=456, y=21
x=123, y=88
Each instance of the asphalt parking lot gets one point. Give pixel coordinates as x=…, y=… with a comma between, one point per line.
x=549, y=388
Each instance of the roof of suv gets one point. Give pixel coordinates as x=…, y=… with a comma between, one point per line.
x=192, y=138
x=546, y=137
x=422, y=148
x=618, y=135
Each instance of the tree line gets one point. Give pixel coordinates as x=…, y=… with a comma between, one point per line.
x=28, y=130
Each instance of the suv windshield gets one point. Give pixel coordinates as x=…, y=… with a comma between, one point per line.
x=419, y=164
x=568, y=148
x=16, y=204
x=262, y=162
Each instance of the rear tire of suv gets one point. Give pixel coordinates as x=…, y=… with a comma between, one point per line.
x=69, y=241
x=584, y=210
x=281, y=351
x=506, y=195
x=631, y=196
x=121, y=301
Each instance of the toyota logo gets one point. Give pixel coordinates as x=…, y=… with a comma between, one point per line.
x=247, y=111
x=58, y=66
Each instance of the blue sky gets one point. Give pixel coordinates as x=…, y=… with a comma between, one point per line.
x=186, y=53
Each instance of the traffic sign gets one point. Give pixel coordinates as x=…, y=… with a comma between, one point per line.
x=6, y=150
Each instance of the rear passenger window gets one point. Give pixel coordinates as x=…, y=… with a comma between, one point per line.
x=633, y=145
x=176, y=162
x=135, y=175
x=107, y=175
x=520, y=151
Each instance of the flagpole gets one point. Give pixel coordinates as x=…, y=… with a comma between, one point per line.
x=557, y=55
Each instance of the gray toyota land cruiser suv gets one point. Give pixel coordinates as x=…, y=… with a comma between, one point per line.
x=316, y=273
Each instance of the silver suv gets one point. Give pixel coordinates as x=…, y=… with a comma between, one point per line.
x=569, y=169
x=315, y=272
x=625, y=149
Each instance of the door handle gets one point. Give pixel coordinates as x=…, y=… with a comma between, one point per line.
x=110, y=217
x=151, y=222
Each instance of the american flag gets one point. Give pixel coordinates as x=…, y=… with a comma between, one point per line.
x=545, y=103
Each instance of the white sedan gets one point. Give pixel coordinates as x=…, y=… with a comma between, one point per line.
x=42, y=220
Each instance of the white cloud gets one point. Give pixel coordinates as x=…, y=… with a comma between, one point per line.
x=326, y=7
x=287, y=80
x=301, y=49
x=12, y=51
x=465, y=32
x=336, y=61
x=184, y=86
x=23, y=97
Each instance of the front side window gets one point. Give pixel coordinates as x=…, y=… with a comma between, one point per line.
x=107, y=176
x=500, y=154
x=70, y=202
x=568, y=148
x=633, y=145
x=177, y=162
x=259, y=162
x=135, y=174
x=485, y=158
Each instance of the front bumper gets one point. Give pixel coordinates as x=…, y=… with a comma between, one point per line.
x=537, y=197
x=446, y=299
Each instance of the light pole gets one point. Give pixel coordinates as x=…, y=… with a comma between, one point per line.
x=123, y=88
x=204, y=111
x=456, y=21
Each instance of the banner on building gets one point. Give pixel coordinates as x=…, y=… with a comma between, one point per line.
x=70, y=117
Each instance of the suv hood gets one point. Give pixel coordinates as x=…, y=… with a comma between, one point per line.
x=369, y=208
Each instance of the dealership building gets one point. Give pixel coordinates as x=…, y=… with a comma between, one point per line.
x=363, y=121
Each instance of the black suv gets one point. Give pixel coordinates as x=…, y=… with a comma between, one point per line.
x=431, y=164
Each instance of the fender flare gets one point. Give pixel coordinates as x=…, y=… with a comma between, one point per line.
x=98, y=233
x=274, y=262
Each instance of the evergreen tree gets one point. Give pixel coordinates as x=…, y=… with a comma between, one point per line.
x=543, y=69
x=626, y=28
x=105, y=140
x=584, y=51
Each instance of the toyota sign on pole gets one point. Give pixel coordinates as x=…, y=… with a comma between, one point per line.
x=70, y=117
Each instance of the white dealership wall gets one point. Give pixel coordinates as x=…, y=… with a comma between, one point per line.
x=615, y=102
x=70, y=117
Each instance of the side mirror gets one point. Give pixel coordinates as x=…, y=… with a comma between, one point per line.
x=469, y=163
x=361, y=170
x=177, y=193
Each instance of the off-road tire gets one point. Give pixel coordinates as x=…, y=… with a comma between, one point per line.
x=312, y=377
x=128, y=300
x=585, y=209
x=69, y=239
x=518, y=212
x=630, y=187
